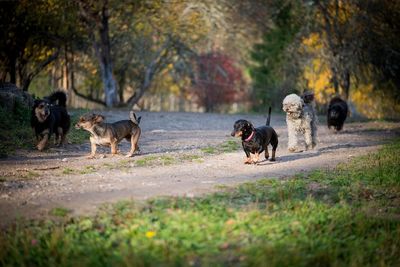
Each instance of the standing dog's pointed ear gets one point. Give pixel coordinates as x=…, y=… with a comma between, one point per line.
x=98, y=118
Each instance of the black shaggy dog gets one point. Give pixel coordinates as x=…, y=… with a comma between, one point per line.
x=337, y=113
x=256, y=140
x=49, y=115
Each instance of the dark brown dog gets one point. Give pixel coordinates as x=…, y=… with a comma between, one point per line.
x=256, y=140
x=337, y=113
x=110, y=134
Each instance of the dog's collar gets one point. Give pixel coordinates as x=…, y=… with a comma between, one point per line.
x=250, y=137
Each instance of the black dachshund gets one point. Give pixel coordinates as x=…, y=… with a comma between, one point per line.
x=337, y=113
x=49, y=115
x=256, y=140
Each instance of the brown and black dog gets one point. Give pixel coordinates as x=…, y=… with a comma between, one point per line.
x=49, y=115
x=110, y=134
x=256, y=140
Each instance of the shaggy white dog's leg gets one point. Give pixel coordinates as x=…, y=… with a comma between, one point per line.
x=314, y=133
x=292, y=142
x=307, y=125
x=308, y=138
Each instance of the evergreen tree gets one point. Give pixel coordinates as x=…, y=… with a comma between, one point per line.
x=270, y=57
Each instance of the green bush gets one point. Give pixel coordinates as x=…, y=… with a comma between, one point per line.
x=15, y=130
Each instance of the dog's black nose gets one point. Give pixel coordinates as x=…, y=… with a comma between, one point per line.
x=233, y=133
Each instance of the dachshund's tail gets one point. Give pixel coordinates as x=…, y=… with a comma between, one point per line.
x=269, y=117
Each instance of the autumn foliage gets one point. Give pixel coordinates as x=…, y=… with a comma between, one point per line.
x=217, y=81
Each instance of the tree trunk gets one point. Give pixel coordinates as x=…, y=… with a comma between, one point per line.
x=97, y=20
x=13, y=71
x=110, y=86
x=346, y=84
x=121, y=81
x=27, y=79
x=335, y=80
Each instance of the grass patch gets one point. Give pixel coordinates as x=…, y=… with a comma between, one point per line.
x=163, y=160
x=59, y=212
x=88, y=169
x=226, y=147
x=346, y=216
x=30, y=174
x=68, y=171
x=85, y=170
x=154, y=160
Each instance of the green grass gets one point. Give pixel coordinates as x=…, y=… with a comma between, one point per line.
x=154, y=160
x=68, y=171
x=346, y=216
x=59, y=212
x=226, y=147
x=162, y=160
x=87, y=169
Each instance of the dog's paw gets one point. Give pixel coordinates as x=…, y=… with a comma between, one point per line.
x=272, y=159
x=40, y=147
x=292, y=149
x=128, y=155
x=310, y=147
x=90, y=156
x=247, y=161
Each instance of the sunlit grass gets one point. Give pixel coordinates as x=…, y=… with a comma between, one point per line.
x=225, y=147
x=68, y=170
x=88, y=169
x=346, y=216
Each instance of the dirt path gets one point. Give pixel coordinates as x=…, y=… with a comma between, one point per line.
x=173, y=161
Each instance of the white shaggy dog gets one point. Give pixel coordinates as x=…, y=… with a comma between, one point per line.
x=301, y=118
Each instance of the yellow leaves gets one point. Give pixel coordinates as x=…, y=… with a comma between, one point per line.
x=174, y=89
x=366, y=101
x=317, y=76
x=313, y=41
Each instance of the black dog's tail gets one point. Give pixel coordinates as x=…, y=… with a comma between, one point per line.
x=269, y=117
x=58, y=98
x=133, y=118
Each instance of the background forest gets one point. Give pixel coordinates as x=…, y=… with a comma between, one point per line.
x=212, y=56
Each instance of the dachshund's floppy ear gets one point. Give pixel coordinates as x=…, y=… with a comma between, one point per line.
x=250, y=125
